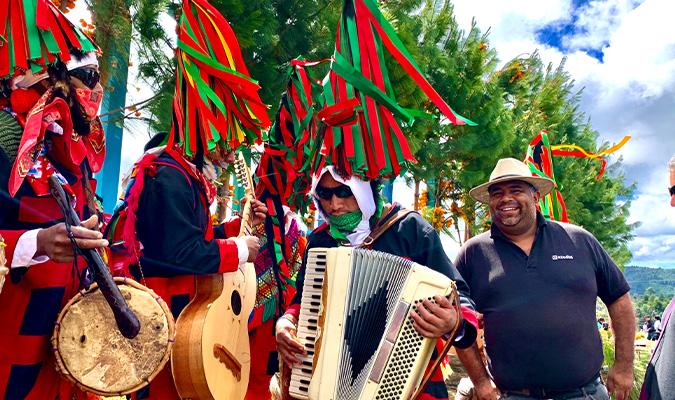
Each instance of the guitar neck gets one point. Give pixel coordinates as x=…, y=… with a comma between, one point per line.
x=243, y=174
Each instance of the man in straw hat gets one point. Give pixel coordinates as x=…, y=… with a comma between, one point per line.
x=536, y=283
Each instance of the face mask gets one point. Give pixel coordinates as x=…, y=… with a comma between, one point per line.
x=90, y=100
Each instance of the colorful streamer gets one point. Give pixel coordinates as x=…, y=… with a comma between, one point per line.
x=539, y=159
x=365, y=138
x=576, y=151
x=215, y=96
x=35, y=34
x=284, y=168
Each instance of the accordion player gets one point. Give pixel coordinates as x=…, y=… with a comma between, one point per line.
x=355, y=324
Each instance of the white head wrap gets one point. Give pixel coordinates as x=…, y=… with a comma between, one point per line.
x=88, y=59
x=364, y=198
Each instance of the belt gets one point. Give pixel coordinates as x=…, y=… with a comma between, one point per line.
x=558, y=394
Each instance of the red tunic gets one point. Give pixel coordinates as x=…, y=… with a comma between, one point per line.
x=31, y=306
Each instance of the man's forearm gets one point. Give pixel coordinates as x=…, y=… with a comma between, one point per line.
x=622, y=317
x=472, y=361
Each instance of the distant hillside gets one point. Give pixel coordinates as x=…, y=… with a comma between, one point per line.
x=659, y=279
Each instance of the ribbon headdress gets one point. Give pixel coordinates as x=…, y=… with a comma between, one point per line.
x=34, y=34
x=366, y=139
x=540, y=160
x=215, y=103
x=215, y=98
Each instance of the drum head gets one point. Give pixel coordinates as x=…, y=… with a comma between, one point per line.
x=92, y=352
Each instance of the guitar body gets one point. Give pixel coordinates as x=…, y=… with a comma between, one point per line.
x=211, y=359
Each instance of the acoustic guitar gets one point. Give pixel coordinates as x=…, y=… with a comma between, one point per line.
x=211, y=359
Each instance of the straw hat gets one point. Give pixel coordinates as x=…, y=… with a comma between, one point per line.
x=510, y=169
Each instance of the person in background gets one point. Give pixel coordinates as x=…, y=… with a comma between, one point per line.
x=276, y=289
x=657, y=327
x=659, y=382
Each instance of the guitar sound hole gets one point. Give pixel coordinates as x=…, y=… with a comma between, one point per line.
x=235, y=300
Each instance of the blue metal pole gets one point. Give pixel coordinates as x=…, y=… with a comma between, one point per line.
x=113, y=125
x=388, y=191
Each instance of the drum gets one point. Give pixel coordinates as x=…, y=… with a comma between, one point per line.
x=3, y=269
x=92, y=353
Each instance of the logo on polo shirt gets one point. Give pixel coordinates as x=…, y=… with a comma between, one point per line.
x=556, y=257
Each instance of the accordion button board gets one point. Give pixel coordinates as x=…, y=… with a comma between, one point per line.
x=355, y=325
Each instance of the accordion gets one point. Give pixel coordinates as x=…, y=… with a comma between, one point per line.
x=355, y=325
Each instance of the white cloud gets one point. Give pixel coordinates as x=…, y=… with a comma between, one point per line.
x=596, y=21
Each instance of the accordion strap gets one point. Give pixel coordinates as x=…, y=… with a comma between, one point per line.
x=381, y=227
x=454, y=297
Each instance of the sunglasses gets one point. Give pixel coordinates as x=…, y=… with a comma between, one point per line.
x=672, y=190
x=342, y=192
x=89, y=76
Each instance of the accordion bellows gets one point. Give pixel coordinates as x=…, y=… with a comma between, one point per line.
x=355, y=324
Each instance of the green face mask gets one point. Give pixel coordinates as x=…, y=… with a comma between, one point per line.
x=341, y=225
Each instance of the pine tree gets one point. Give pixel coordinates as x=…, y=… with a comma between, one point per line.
x=461, y=66
x=544, y=98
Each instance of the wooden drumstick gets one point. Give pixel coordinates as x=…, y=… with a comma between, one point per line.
x=126, y=320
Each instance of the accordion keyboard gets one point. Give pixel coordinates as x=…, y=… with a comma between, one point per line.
x=308, y=323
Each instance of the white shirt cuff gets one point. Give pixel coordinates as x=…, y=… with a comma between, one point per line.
x=24, y=253
x=242, y=250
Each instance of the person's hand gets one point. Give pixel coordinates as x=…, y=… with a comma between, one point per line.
x=486, y=390
x=54, y=242
x=434, y=320
x=253, y=245
x=288, y=345
x=258, y=210
x=620, y=381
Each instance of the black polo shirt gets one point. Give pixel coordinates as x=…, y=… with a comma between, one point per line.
x=539, y=310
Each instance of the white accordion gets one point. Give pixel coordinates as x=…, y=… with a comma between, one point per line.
x=355, y=324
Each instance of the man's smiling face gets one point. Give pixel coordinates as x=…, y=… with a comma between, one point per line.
x=513, y=205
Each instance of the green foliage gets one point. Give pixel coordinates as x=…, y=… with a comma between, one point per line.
x=650, y=304
x=639, y=366
x=660, y=280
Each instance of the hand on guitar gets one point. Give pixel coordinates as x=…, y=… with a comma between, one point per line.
x=258, y=209
x=253, y=245
x=54, y=242
x=433, y=320
x=288, y=345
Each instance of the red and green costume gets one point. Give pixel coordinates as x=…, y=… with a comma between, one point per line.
x=37, y=140
x=161, y=232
